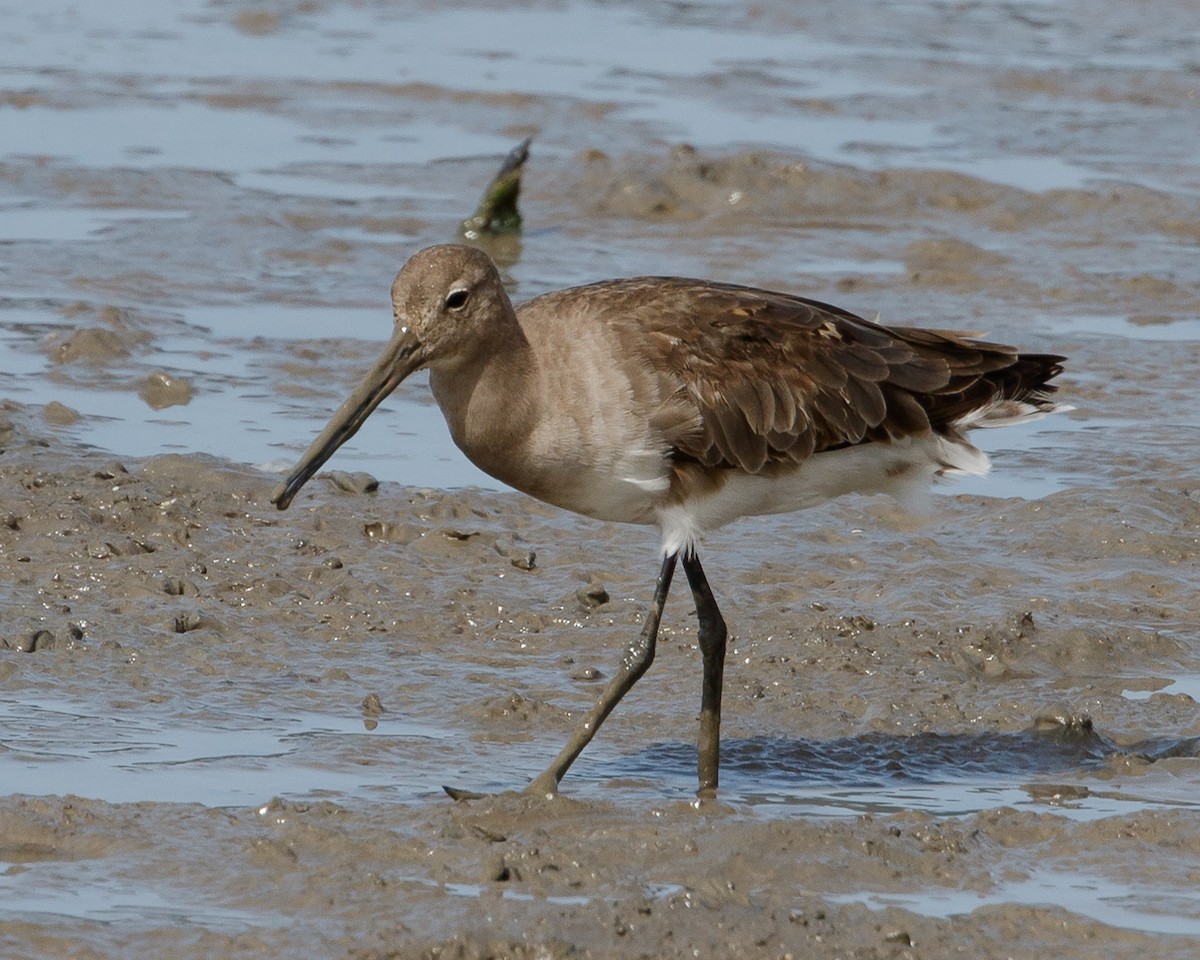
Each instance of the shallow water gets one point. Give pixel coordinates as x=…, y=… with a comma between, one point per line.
x=223, y=193
x=1132, y=906
x=244, y=756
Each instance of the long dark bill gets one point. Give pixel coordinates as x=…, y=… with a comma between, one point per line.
x=402, y=357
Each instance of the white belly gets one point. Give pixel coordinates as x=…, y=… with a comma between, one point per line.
x=905, y=470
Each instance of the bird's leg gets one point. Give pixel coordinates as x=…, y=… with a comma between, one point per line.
x=712, y=635
x=636, y=662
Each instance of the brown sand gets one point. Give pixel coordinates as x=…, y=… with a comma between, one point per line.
x=885, y=674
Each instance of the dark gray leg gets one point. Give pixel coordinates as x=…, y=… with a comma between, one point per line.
x=712, y=636
x=636, y=662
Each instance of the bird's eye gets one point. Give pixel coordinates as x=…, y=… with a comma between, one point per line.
x=456, y=299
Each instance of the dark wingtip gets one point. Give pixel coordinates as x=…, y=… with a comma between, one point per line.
x=1036, y=370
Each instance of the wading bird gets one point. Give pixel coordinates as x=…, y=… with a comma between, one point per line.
x=684, y=405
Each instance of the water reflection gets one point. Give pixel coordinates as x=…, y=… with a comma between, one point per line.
x=1064, y=768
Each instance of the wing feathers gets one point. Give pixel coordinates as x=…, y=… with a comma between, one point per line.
x=752, y=377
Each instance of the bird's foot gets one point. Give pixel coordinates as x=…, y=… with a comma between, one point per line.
x=543, y=785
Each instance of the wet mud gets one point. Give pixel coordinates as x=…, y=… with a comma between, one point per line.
x=224, y=730
x=878, y=681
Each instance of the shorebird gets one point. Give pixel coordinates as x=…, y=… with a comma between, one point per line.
x=684, y=405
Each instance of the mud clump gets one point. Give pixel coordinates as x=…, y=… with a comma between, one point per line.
x=161, y=390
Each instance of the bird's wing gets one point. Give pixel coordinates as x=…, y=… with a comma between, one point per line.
x=760, y=377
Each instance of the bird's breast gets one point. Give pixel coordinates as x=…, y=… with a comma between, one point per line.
x=582, y=472
x=583, y=441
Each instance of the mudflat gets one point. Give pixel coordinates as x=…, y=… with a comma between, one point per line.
x=224, y=730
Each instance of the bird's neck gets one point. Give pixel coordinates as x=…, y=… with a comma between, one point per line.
x=488, y=401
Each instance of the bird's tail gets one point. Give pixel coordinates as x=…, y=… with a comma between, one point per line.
x=1019, y=392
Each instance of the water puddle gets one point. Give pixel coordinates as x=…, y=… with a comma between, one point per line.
x=1187, y=685
x=1131, y=906
x=940, y=774
x=95, y=893
x=62, y=749
x=476, y=890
